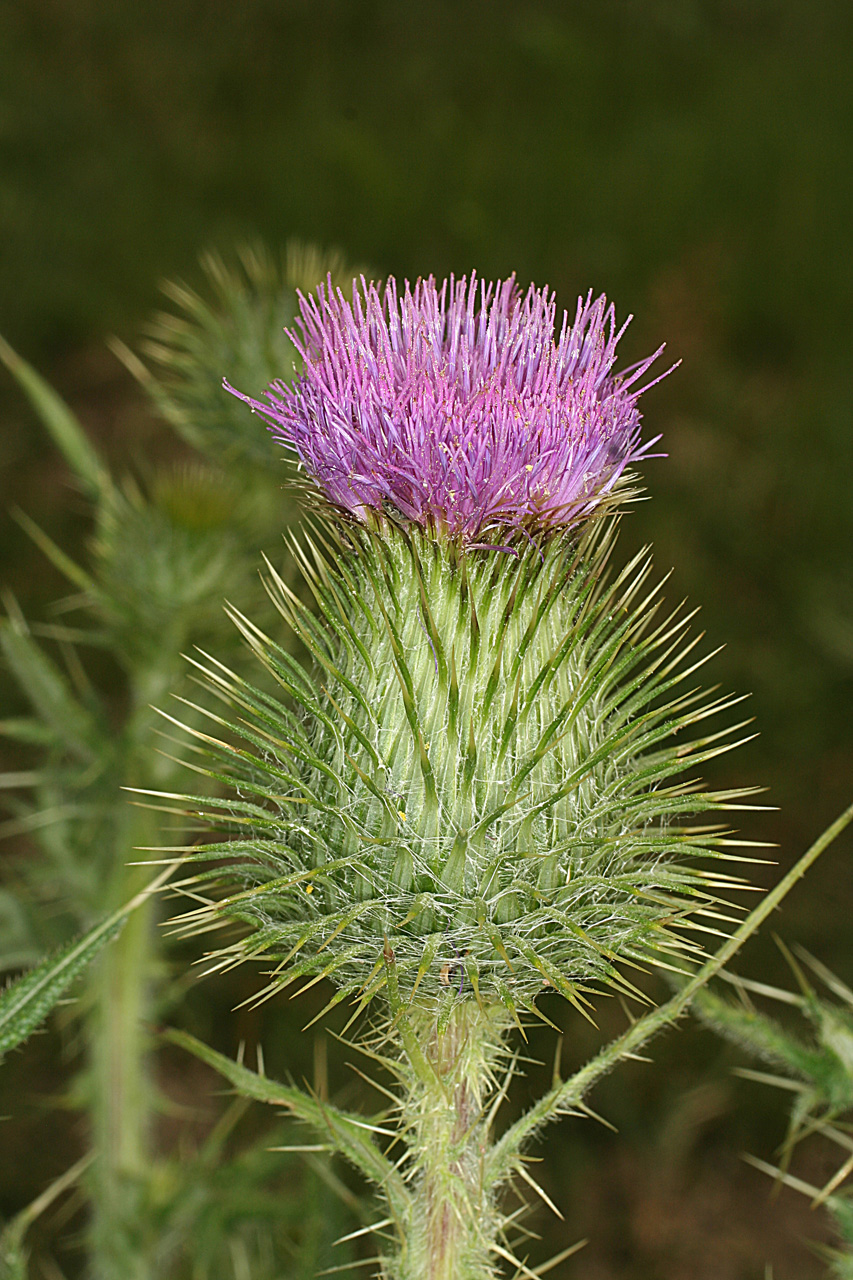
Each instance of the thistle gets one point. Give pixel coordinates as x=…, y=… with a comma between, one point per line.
x=814, y=1071
x=479, y=793
x=455, y=409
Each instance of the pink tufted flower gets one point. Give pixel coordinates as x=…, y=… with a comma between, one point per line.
x=458, y=407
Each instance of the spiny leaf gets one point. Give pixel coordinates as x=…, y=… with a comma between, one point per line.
x=26, y=1002
x=49, y=691
x=348, y=1133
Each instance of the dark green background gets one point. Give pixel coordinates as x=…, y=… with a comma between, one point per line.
x=692, y=159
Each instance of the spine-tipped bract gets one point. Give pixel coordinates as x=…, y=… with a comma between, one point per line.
x=485, y=772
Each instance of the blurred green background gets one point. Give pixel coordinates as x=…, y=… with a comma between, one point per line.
x=691, y=158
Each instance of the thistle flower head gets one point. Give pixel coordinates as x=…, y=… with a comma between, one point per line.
x=459, y=407
x=479, y=792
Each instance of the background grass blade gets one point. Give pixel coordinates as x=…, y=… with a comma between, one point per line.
x=63, y=426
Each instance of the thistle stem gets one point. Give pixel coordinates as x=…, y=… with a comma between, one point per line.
x=121, y=1092
x=452, y=1218
x=124, y=996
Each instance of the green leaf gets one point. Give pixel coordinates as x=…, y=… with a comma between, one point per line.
x=27, y=1002
x=49, y=691
x=348, y=1134
x=63, y=426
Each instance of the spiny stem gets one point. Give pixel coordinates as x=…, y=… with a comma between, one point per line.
x=452, y=1221
x=121, y=1091
x=123, y=997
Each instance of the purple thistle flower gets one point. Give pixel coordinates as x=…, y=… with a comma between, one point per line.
x=457, y=407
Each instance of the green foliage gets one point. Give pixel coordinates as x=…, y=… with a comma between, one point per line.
x=25, y=1004
x=163, y=557
x=485, y=774
x=69, y=806
x=815, y=1069
x=168, y=547
x=63, y=715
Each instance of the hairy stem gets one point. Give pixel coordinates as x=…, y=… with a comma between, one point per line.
x=123, y=997
x=121, y=1093
x=452, y=1221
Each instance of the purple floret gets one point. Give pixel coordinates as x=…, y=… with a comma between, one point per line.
x=458, y=407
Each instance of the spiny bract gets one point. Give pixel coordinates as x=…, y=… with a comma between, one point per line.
x=482, y=778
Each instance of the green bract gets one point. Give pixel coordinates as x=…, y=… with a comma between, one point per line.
x=482, y=776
